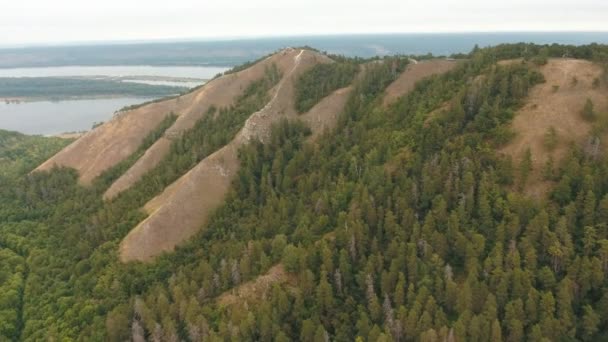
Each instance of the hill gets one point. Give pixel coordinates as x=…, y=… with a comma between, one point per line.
x=318, y=197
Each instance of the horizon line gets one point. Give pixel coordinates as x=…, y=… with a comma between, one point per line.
x=202, y=39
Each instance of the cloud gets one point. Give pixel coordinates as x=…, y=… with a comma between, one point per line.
x=43, y=21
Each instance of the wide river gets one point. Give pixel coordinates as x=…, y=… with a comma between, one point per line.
x=54, y=117
x=49, y=117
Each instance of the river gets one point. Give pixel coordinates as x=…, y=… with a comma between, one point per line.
x=54, y=117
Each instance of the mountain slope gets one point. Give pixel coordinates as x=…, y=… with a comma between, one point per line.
x=184, y=207
x=219, y=93
x=180, y=211
x=115, y=140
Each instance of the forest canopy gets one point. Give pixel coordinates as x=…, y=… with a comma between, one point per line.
x=394, y=226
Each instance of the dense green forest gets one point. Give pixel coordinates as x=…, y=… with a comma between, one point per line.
x=320, y=81
x=72, y=87
x=395, y=226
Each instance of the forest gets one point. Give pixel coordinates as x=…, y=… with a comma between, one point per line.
x=397, y=225
x=73, y=87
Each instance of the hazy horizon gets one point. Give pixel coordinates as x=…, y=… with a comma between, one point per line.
x=60, y=22
x=270, y=37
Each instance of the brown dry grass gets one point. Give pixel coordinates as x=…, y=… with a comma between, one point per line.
x=220, y=92
x=256, y=289
x=414, y=73
x=561, y=109
x=184, y=207
x=324, y=115
x=108, y=144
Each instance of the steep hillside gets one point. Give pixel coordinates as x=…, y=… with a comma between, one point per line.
x=556, y=105
x=219, y=93
x=108, y=144
x=112, y=142
x=181, y=210
x=184, y=207
x=415, y=72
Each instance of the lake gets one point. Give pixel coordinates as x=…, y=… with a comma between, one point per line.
x=49, y=118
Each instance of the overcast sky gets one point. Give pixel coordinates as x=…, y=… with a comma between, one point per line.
x=57, y=21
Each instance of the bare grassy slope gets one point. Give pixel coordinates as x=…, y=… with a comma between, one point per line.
x=183, y=208
x=255, y=289
x=110, y=143
x=414, y=73
x=558, y=103
x=221, y=92
x=324, y=115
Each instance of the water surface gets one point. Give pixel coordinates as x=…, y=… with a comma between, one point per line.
x=48, y=117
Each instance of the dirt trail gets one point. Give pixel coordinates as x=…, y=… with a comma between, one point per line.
x=558, y=103
x=183, y=208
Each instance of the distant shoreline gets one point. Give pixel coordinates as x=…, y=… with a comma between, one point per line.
x=227, y=52
x=23, y=100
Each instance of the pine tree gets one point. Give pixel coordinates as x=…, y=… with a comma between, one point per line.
x=325, y=297
x=588, y=113
x=589, y=323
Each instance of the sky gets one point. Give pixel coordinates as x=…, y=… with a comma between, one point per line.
x=26, y=22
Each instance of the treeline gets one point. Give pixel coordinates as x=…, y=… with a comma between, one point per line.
x=593, y=52
x=59, y=88
x=323, y=79
x=20, y=153
x=320, y=81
